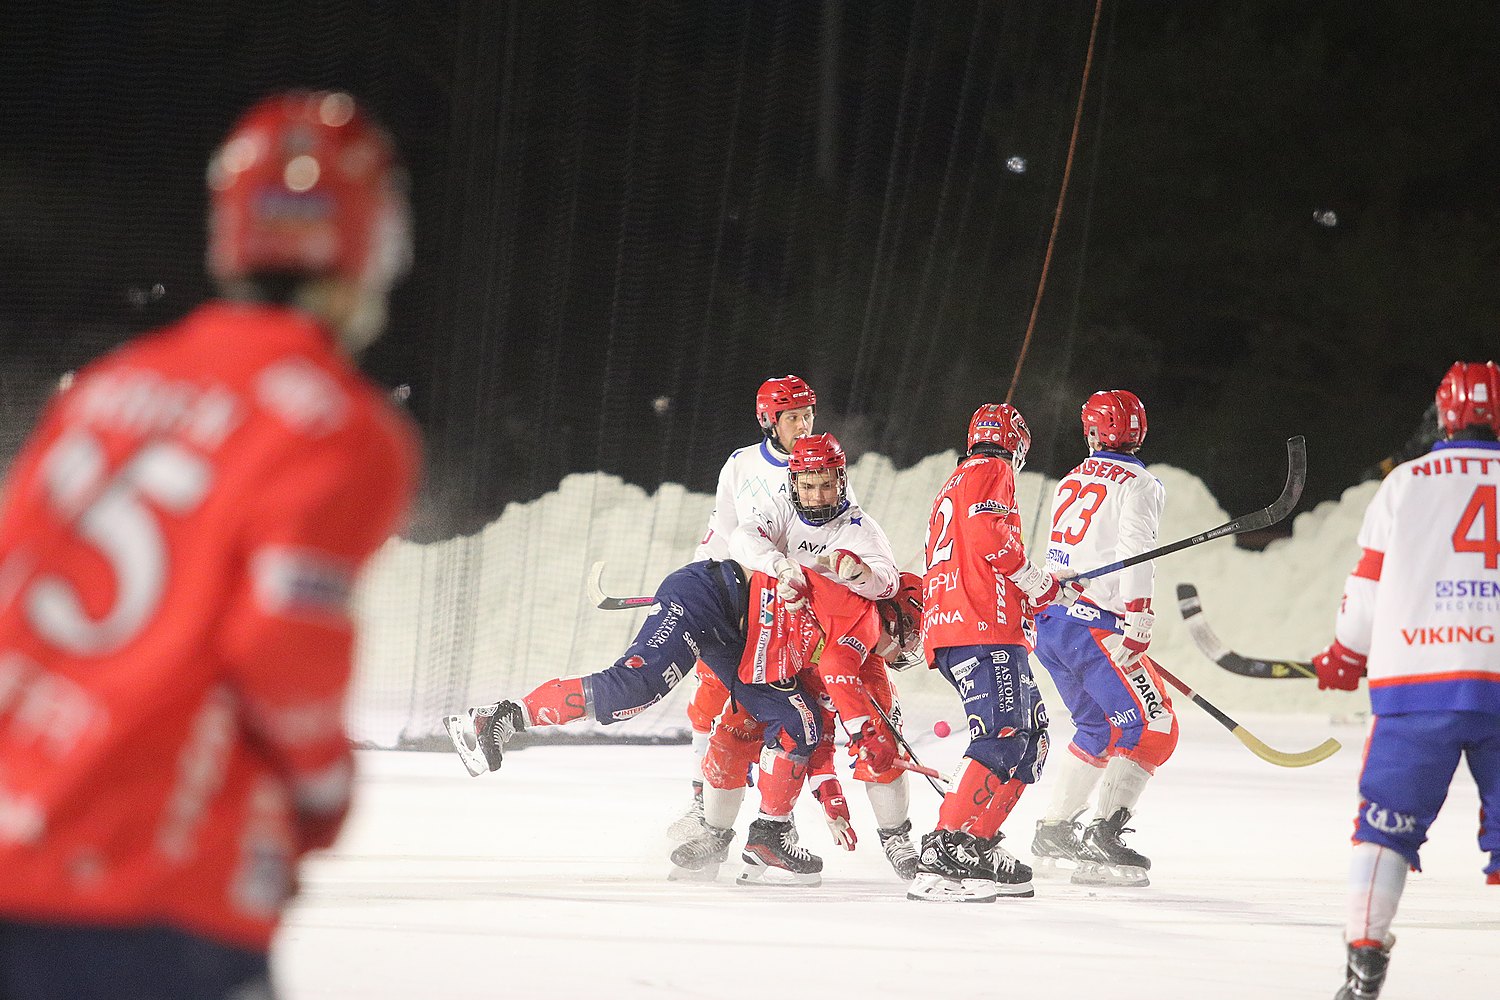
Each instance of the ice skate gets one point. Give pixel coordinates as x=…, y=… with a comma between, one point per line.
x=690, y=824
x=1012, y=876
x=771, y=856
x=1106, y=860
x=480, y=737
x=1364, y=974
x=900, y=851
x=1056, y=848
x=698, y=858
x=953, y=867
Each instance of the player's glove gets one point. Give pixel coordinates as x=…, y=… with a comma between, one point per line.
x=1339, y=667
x=1137, y=635
x=849, y=567
x=875, y=744
x=791, y=584
x=1043, y=588
x=830, y=794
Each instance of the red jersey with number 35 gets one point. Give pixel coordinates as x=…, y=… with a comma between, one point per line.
x=178, y=544
x=973, y=540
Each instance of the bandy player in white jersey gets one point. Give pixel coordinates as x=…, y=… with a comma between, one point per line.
x=752, y=477
x=1106, y=509
x=1421, y=617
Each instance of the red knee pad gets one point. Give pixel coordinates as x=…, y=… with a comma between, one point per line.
x=708, y=701
x=730, y=753
x=1154, y=748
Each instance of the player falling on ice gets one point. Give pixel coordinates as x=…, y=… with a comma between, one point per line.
x=1108, y=508
x=752, y=478
x=980, y=590
x=1418, y=618
x=703, y=612
x=809, y=656
x=178, y=544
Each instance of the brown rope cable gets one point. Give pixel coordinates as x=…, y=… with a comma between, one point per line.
x=1062, y=193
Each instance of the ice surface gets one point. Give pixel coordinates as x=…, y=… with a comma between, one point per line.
x=548, y=880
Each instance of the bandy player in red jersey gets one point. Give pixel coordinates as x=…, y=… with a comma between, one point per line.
x=980, y=593
x=178, y=543
x=841, y=667
x=1108, y=508
x=1421, y=618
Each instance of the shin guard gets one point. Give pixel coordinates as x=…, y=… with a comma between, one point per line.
x=556, y=702
x=781, y=778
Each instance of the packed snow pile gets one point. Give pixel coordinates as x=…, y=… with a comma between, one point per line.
x=481, y=617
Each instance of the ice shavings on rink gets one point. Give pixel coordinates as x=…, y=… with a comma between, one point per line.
x=547, y=880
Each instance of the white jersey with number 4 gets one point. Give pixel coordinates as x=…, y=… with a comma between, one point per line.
x=1424, y=601
x=752, y=478
x=1107, y=509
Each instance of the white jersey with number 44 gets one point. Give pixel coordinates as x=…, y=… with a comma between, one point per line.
x=1424, y=601
x=1107, y=509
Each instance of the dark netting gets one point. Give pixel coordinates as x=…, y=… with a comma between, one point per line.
x=628, y=216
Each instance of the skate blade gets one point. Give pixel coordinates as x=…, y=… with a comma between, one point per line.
x=707, y=873
x=759, y=874
x=1053, y=867
x=466, y=742
x=1092, y=873
x=1015, y=890
x=931, y=888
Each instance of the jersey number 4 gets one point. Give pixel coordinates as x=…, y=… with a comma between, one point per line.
x=1077, y=523
x=1484, y=512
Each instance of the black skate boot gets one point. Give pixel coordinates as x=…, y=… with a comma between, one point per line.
x=1106, y=860
x=899, y=850
x=698, y=859
x=1056, y=847
x=771, y=855
x=1012, y=876
x=480, y=737
x=1364, y=974
x=691, y=822
x=953, y=867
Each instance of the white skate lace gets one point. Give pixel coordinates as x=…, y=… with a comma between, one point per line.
x=790, y=847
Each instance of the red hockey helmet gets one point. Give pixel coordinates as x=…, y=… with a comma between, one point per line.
x=1002, y=425
x=817, y=453
x=305, y=183
x=1469, y=395
x=901, y=615
x=1114, y=419
x=785, y=393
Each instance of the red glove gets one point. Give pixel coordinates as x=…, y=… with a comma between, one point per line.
x=830, y=794
x=1136, y=638
x=876, y=745
x=1339, y=667
x=849, y=567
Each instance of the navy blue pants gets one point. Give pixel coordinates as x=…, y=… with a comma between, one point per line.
x=45, y=962
x=1006, y=717
x=700, y=615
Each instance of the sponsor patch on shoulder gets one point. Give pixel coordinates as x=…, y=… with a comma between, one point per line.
x=990, y=507
x=301, y=582
x=855, y=645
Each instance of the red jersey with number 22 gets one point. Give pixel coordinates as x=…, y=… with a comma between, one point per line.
x=973, y=540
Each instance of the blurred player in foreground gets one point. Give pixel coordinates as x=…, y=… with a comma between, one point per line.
x=1419, y=619
x=980, y=593
x=1108, y=508
x=752, y=478
x=179, y=540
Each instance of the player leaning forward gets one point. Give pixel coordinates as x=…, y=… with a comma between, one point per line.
x=980, y=590
x=1108, y=508
x=1419, y=618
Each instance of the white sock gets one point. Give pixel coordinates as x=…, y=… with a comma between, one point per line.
x=890, y=802
x=1124, y=781
x=1073, y=781
x=700, y=750
x=721, y=806
x=1377, y=876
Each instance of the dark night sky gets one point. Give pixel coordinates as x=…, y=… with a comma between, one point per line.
x=620, y=202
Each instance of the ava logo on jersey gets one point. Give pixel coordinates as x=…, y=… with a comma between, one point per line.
x=1389, y=821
